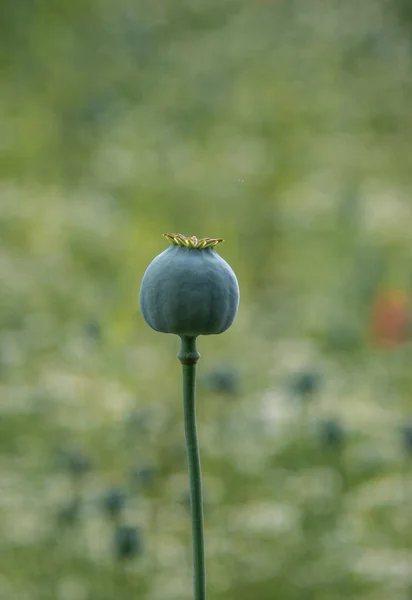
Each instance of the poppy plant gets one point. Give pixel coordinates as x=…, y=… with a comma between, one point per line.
x=189, y=290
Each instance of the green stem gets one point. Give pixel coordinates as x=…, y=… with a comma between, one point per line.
x=189, y=356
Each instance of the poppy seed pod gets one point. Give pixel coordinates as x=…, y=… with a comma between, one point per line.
x=189, y=290
x=69, y=514
x=407, y=439
x=127, y=542
x=332, y=433
x=224, y=380
x=113, y=502
x=305, y=384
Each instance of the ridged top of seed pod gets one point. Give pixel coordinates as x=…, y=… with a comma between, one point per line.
x=177, y=239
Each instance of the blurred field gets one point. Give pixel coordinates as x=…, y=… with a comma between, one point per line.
x=283, y=126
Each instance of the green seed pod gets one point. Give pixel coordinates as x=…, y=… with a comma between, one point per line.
x=189, y=289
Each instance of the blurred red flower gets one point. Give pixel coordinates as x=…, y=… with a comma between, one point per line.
x=391, y=318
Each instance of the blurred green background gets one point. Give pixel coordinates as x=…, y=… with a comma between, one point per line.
x=283, y=126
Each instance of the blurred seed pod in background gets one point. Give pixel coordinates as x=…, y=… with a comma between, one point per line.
x=331, y=433
x=93, y=331
x=144, y=476
x=138, y=422
x=69, y=514
x=127, y=542
x=74, y=461
x=184, y=500
x=113, y=503
x=305, y=384
x=407, y=439
x=223, y=380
